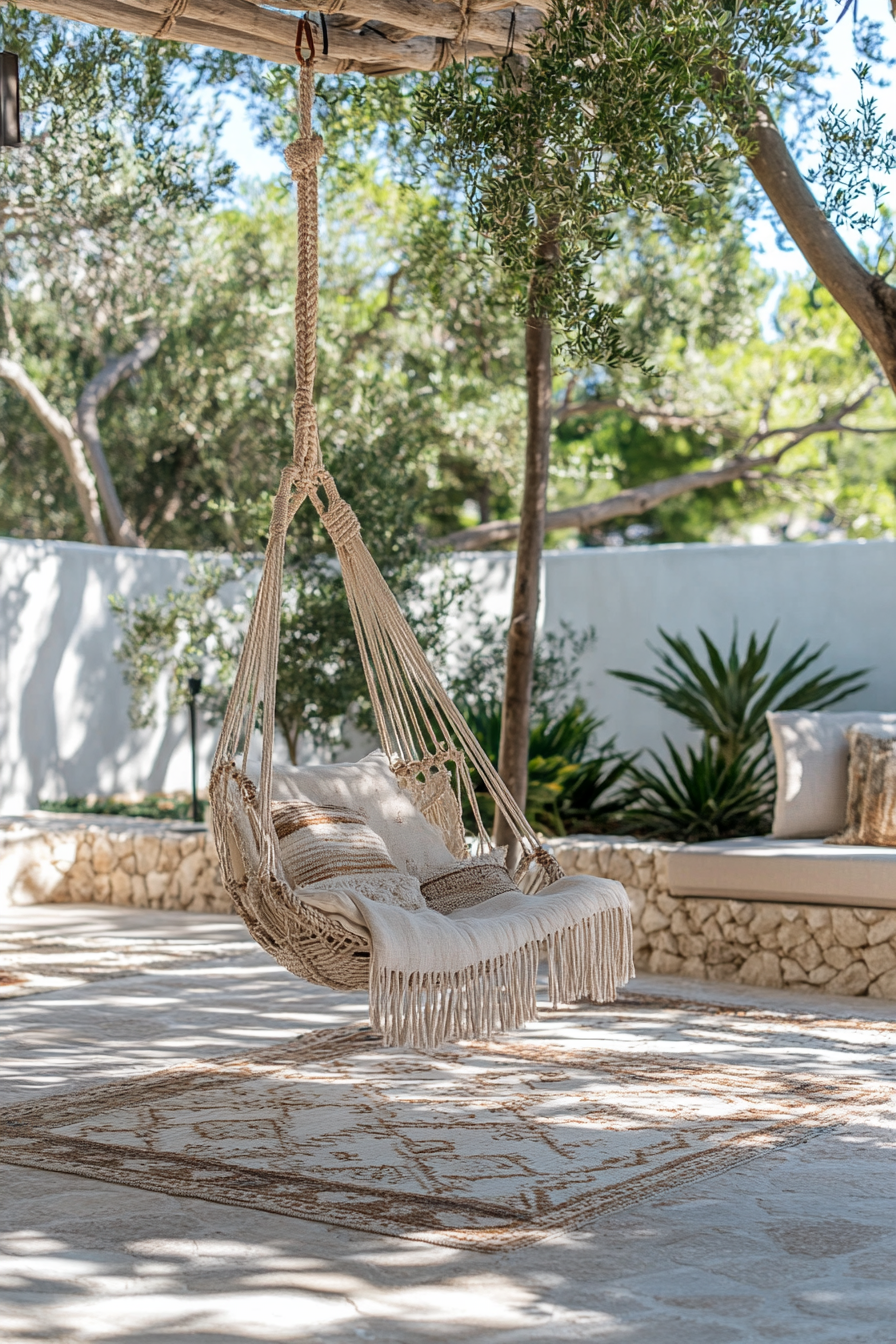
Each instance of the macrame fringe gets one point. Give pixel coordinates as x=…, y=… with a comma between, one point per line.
x=423, y=1010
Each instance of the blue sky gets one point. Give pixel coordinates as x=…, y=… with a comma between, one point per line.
x=256, y=161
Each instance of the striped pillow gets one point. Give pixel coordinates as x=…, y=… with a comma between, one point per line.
x=333, y=847
x=468, y=884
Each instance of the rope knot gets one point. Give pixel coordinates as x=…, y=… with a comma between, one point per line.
x=341, y=522
x=302, y=156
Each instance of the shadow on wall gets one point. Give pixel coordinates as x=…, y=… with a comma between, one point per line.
x=64, y=725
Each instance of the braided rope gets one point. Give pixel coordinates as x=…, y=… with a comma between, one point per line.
x=302, y=157
x=170, y=17
x=427, y=739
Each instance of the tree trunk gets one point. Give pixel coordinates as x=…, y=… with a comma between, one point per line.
x=96, y=391
x=513, y=758
x=70, y=445
x=865, y=297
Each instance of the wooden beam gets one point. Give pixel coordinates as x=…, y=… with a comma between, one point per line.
x=254, y=30
x=430, y=18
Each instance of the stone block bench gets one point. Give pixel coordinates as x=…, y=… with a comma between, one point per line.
x=758, y=912
x=165, y=865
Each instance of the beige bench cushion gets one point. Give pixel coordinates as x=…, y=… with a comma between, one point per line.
x=763, y=868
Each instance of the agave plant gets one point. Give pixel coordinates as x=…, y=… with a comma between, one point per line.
x=727, y=699
x=704, y=797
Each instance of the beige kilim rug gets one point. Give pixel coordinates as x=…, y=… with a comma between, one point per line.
x=482, y=1146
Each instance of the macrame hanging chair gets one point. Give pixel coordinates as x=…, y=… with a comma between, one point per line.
x=428, y=743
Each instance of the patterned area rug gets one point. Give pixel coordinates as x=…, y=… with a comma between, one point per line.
x=483, y=1146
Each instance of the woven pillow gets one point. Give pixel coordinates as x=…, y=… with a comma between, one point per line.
x=333, y=848
x=871, y=800
x=467, y=884
x=368, y=786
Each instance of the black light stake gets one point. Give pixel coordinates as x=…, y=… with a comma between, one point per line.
x=9, y=99
x=194, y=686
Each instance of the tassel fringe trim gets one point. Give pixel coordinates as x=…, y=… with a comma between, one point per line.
x=424, y=1010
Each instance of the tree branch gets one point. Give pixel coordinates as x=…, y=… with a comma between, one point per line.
x=641, y=499
x=70, y=445
x=96, y=391
x=594, y=405
x=867, y=298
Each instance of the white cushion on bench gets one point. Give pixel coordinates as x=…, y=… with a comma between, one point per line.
x=764, y=868
x=812, y=759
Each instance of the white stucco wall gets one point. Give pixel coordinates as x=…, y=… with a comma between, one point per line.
x=63, y=703
x=839, y=593
x=64, y=706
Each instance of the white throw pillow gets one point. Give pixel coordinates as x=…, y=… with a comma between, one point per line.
x=368, y=786
x=812, y=762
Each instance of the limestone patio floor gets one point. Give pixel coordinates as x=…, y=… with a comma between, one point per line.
x=795, y=1245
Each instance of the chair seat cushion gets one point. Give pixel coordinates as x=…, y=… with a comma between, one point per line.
x=764, y=868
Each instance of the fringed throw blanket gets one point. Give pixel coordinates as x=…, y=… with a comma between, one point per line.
x=436, y=978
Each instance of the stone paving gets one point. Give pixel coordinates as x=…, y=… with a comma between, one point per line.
x=796, y=1245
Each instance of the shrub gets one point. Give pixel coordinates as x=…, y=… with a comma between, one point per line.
x=702, y=797
x=726, y=788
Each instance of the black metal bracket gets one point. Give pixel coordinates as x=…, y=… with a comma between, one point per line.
x=10, y=133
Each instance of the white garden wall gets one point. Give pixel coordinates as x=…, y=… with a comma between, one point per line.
x=839, y=593
x=63, y=703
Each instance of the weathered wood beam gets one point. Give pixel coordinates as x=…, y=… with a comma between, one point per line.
x=430, y=18
x=250, y=29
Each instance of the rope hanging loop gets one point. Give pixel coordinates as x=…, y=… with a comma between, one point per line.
x=304, y=34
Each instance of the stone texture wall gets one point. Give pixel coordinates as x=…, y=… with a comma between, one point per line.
x=843, y=950
x=839, y=949
x=161, y=867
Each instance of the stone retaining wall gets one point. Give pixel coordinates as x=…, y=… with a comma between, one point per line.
x=154, y=865
x=840, y=949
x=173, y=866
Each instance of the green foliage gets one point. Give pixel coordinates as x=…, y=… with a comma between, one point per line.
x=702, y=797
x=727, y=699
x=573, y=782
x=720, y=382
x=617, y=109
x=158, y=806
x=858, y=156
x=420, y=348
x=727, y=788
x=179, y=635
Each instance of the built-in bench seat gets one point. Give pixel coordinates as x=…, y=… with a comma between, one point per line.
x=759, y=911
x=763, y=868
